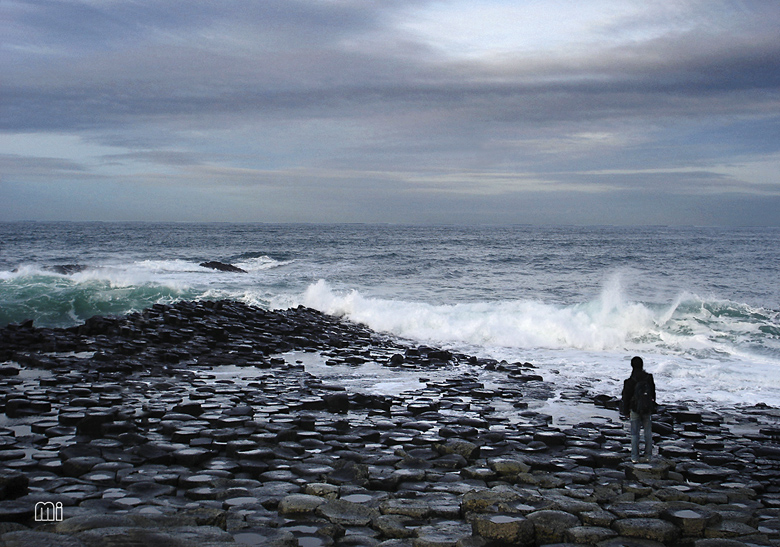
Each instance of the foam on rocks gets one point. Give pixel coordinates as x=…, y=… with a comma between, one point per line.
x=128, y=426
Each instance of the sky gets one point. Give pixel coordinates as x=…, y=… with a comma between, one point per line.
x=620, y=112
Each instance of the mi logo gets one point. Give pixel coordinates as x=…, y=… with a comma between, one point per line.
x=48, y=511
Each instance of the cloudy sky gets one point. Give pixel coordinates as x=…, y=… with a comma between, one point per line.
x=401, y=111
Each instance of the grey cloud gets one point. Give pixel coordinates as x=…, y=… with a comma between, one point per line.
x=248, y=92
x=132, y=83
x=12, y=165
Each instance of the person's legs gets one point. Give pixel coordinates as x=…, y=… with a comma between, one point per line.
x=636, y=423
x=647, y=423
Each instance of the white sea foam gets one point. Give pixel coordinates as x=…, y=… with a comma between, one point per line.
x=608, y=323
x=261, y=264
x=698, y=355
x=578, y=303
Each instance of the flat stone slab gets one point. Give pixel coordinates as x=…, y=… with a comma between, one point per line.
x=346, y=513
x=647, y=528
x=297, y=504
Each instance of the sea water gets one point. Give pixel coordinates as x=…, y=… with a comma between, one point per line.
x=700, y=305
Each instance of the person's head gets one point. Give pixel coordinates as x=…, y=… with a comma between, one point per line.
x=637, y=364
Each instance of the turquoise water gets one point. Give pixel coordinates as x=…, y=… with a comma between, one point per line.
x=700, y=304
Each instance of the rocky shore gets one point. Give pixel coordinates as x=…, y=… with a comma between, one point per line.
x=199, y=424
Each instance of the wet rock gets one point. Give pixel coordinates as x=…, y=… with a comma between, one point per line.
x=657, y=470
x=589, y=535
x=13, y=484
x=18, y=408
x=551, y=525
x=504, y=528
x=346, y=513
x=322, y=490
x=15, y=511
x=222, y=267
x=393, y=526
x=25, y=538
x=729, y=529
x=637, y=510
x=508, y=467
x=598, y=518
x=461, y=447
x=173, y=537
x=647, y=528
x=192, y=457
x=441, y=533
x=81, y=465
x=89, y=522
x=298, y=504
x=483, y=500
x=690, y=518
x=337, y=402
x=719, y=543
x=413, y=508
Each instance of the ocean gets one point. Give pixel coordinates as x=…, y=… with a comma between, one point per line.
x=700, y=305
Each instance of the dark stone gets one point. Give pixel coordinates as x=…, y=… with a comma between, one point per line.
x=507, y=529
x=24, y=538
x=13, y=484
x=337, y=402
x=222, y=267
x=193, y=409
x=15, y=511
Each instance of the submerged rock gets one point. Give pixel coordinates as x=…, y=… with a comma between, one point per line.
x=222, y=267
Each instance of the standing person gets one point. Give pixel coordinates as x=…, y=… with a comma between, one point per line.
x=639, y=404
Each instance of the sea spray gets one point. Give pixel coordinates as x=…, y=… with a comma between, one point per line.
x=700, y=304
x=608, y=323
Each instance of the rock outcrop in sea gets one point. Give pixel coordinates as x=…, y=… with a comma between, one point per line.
x=197, y=424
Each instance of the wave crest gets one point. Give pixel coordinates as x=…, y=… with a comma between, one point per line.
x=607, y=323
x=611, y=322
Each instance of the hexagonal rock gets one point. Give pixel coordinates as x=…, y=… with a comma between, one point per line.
x=508, y=466
x=15, y=511
x=441, y=534
x=642, y=471
x=590, y=535
x=12, y=483
x=551, y=525
x=414, y=508
x=174, y=537
x=80, y=465
x=392, y=526
x=346, y=513
x=690, y=518
x=709, y=474
x=629, y=542
x=647, y=528
x=479, y=500
x=297, y=504
x=23, y=538
x=457, y=446
x=504, y=528
x=599, y=518
x=89, y=522
x=729, y=529
x=190, y=457
x=639, y=509
x=322, y=489
x=718, y=543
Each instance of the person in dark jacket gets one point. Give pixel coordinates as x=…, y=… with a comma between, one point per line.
x=638, y=402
